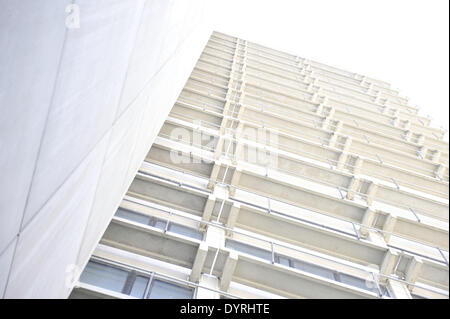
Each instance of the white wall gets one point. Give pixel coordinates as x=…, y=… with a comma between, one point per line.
x=79, y=109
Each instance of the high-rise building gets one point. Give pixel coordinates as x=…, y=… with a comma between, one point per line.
x=275, y=176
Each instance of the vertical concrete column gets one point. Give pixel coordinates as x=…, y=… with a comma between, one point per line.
x=439, y=172
x=407, y=125
x=371, y=192
x=407, y=135
x=358, y=165
x=388, y=226
x=388, y=264
x=395, y=121
x=241, y=92
x=378, y=97
x=328, y=118
x=199, y=262
x=344, y=154
x=305, y=69
x=413, y=271
x=369, y=230
x=207, y=211
x=228, y=270
x=215, y=236
x=322, y=105
x=436, y=156
x=205, y=282
x=352, y=188
x=422, y=152
x=235, y=180
x=367, y=222
x=239, y=151
x=398, y=289
x=396, y=113
x=234, y=102
x=421, y=139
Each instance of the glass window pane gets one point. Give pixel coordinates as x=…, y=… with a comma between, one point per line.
x=186, y=231
x=283, y=260
x=135, y=217
x=358, y=282
x=164, y=290
x=313, y=269
x=104, y=276
x=158, y=223
x=251, y=250
x=139, y=286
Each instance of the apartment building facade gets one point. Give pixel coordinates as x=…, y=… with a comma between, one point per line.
x=279, y=177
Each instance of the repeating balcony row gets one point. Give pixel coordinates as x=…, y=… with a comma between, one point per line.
x=289, y=58
x=296, y=79
x=278, y=258
x=363, y=92
x=373, y=118
x=370, y=119
x=299, y=71
x=441, y=210
x=339, y=244
x=105, y=279
x=385, y=214
x=348, y=78
x=192, y=114
x=316, y=114
x=196, y=109
x=343, y=76
x=111, y=239
x=331, y=92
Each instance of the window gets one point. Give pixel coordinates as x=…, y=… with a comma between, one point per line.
x=139, y=286
x=251, y=250
x=313, y=269
x=331, y=274
x=362, y=283
x=129, y=282
x=135, y=217
x=104, y=276
x=304, y=266
x=141, y=218
x=308, y=267
x=357, y=282
x=186, y=231
x=159, y=223
x=165, y=290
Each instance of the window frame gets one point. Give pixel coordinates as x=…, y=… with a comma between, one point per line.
x=166, y=227
x=133, y=273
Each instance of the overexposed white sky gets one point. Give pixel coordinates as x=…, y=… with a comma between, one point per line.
x=403, y=42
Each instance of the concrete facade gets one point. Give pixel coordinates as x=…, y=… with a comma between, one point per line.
x=81, y=106
x=278, y=177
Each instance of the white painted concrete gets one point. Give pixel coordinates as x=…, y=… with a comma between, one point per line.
x=80, y=109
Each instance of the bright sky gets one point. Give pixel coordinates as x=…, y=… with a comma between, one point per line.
x=403, y=42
